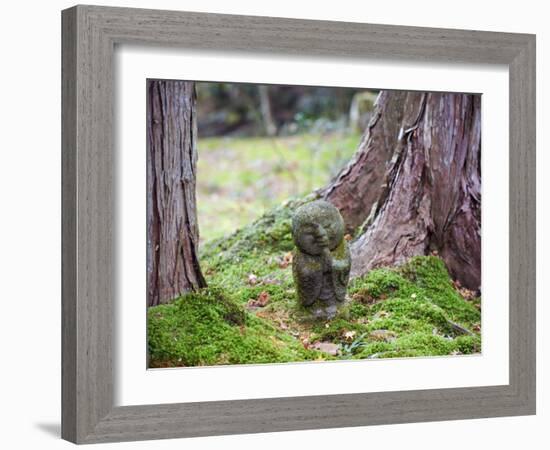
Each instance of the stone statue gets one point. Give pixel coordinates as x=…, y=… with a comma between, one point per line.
x=321, y=261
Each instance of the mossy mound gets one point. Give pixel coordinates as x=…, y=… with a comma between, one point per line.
x=270, y=234
x=206, y=328
x=249, y=314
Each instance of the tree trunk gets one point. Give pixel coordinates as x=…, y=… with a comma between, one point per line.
x=357, y=189
x=415, y=184
x=172, y=229
x=265, y=108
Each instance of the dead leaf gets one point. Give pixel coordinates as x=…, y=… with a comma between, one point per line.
x=260, y=302
x=286, y=260
x=349, y=335
x=263, y=298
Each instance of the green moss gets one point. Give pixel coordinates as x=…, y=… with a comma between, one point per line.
x=380, y=284
x=432, y=278
x=206, y=328
x=357, y=310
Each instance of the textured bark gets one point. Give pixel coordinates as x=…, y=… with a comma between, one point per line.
x=415, y=184
x=172, y=229
x=357, y=189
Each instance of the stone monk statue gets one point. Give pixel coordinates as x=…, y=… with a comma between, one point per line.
x=321, y=261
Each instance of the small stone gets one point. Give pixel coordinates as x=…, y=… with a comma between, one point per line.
x=383, y=335
x=327, y=347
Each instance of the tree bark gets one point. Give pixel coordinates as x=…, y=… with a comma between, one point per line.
x=358, y=187
x=414, y=186
x=172, y=229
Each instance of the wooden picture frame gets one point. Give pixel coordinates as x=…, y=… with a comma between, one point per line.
x=90, y=34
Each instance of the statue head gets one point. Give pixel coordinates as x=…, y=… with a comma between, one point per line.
x=316, y=226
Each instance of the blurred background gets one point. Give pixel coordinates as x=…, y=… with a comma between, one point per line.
x=259, y=145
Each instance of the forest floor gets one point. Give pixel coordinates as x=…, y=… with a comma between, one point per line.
x=248, y=314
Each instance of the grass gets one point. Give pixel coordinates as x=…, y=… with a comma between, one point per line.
x=406, y=311
x=240, y=178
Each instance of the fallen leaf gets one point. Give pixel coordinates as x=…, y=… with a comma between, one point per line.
x=286, y=260
x=260, y=302
x=349, y=335
x=263, y=298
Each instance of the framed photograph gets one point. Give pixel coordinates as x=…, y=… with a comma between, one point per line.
x=278, y=224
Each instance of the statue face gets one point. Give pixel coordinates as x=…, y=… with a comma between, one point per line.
x=316, y=226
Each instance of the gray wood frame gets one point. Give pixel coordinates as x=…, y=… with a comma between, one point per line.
x=89, y=36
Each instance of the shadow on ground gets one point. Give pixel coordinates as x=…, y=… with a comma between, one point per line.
x=53, y=429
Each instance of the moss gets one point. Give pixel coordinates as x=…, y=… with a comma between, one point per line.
x=432, y=278
x=468, y=344
x=357, y=310
x=206, y=328
x=335, y=330
x=380, y=284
